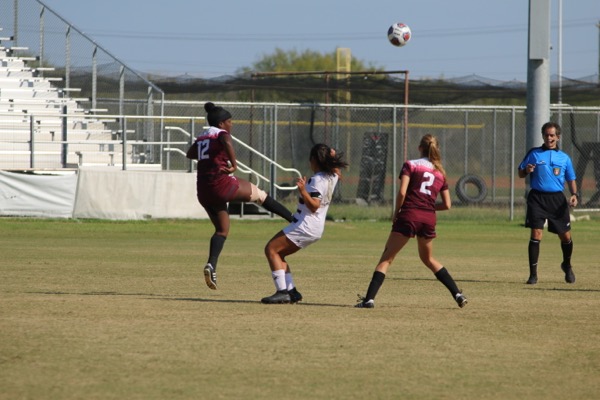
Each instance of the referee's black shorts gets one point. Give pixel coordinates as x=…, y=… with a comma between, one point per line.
x=542, y=206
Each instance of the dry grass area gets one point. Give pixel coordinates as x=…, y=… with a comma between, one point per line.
x=119, y=310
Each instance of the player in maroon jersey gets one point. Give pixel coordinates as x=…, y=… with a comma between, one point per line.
x=216, y=186
x=421, y=181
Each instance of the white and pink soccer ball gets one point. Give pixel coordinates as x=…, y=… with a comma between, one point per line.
x=399, y=34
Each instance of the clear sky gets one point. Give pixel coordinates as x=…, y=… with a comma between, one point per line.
x=450, y=38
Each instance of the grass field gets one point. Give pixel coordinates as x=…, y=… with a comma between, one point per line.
x=119, y=310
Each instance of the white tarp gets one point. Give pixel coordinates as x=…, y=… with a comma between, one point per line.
x=37, y=195
x=121, y=195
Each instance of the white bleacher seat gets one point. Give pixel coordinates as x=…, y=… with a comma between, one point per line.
x=24, y=94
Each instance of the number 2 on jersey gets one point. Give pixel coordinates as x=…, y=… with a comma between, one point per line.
x=426, y=183
x=203, y=149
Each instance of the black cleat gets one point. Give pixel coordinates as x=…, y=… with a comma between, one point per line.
x=295, y=295
x=210, y=276
x=364, y=303
x=460, y=300
x=569, y=275
x=279, y=297
x=532, y=280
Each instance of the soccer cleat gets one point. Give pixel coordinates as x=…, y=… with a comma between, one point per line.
x=210, y=276
x=364, y=303
x=460, y=300
x=569, y=275
x=295, y=295
x=279, y=297
x=532, y=280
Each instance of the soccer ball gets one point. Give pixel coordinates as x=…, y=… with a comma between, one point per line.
x=399, y=34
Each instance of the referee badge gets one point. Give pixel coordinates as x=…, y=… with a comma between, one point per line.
x=556, y=171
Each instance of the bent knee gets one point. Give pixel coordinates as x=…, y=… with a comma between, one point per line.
x=257, y=195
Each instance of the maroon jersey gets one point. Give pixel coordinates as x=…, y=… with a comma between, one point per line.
x=425, y=184
x=213, y=186
x=211, y=153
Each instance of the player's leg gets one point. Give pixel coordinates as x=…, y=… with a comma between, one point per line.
x=250, y=192
x=276, y=250
x=295, y=295
x=566, y=245
x=533, y=253
x=560, y=224
x=220, y=219
x=537, y=214
x=425, y=245
x=396, y=241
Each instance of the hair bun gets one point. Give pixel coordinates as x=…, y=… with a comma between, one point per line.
x=209, y=106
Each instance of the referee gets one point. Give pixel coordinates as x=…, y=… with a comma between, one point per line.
x=549, y=168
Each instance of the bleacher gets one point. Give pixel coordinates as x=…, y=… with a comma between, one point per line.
x=35, y=111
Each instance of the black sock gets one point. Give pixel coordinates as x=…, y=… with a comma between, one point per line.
x=376, y=282
x=534, y=253
x=216, y=245
x=567, y=250
x=444, y=276
x=272, y=205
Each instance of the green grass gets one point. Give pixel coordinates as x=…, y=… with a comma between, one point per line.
x=115, y=310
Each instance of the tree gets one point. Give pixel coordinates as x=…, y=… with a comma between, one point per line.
x=298, y=88
x=308, y=60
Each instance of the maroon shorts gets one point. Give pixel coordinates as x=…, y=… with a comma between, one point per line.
x=215, y=192
x=411, y=223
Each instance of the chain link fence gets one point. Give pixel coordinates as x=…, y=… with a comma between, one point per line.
x=135, y=126
x=481, y=146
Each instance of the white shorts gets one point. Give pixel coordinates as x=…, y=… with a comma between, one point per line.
x=300, y=238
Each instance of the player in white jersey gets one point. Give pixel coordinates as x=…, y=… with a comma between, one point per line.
x=308, y=222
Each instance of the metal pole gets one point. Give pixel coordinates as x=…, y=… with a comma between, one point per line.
x=560, y=61
x=192, y=140
x=466, y=160
x=16, y=22
x=405, y=116
x=42, y=39
x=512, y=166
x=274, y=154
x=124, y=133
x=494, y=134
x=538, y=71
x=31, y=142
x=65, y=146
x=94, y=77
x=394, y=157
x=68, y=58
x=598, y=26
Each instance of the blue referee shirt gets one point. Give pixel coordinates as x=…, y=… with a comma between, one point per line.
x=552, y=168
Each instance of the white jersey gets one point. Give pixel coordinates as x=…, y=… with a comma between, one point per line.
x=307, y=227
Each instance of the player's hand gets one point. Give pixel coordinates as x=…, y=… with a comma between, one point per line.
x=529, y=168
x=229, y=169
x=573, y=201
x=301, y=182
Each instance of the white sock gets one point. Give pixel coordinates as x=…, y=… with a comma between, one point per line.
x=279, y=279
x=289, y=281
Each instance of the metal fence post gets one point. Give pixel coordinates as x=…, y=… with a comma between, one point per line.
x=124, y=132
x=512, y=165
x=274, y=150
x=395, y=153
x=466, y=160
x=31, y=142
x=65, y=145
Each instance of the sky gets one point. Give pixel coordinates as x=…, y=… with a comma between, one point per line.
x=450, y=38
